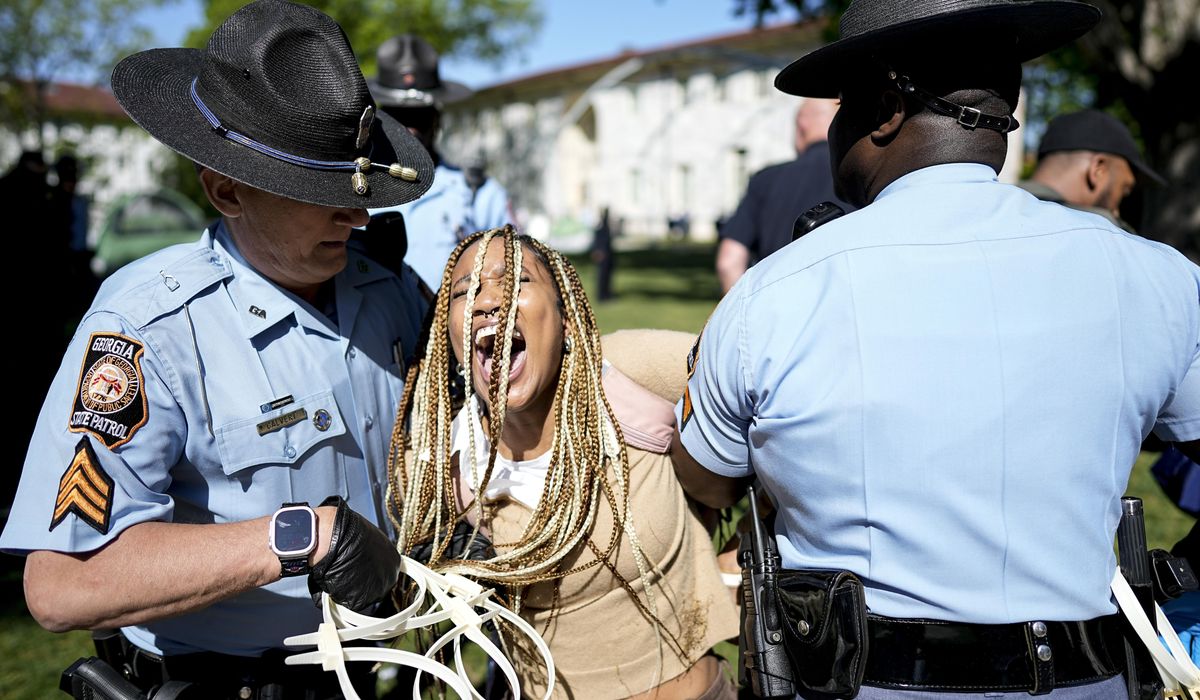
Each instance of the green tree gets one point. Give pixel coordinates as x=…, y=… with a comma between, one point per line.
x=41, y=40
x=1140, y=64
x=490, y=30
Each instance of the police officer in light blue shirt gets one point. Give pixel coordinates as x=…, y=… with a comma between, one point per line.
x=409, y=87
x=217, y=394
x=945, y=391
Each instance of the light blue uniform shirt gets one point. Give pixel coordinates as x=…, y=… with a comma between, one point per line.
x=445, y=215
x=945, y=392
x=219, y=341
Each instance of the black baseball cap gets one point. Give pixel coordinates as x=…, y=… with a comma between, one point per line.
x=1093, y=130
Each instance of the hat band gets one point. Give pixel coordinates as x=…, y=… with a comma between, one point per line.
x=358, y=166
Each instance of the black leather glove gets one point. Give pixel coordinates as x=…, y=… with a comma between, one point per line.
x=1189, y=546
x=362, y=564
x=480, y=550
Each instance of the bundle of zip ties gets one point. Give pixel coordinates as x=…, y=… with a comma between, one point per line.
x=455, y=599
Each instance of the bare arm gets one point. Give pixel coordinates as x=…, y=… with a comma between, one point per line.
x=733, y=258
x=155, y=570
x=713, y=490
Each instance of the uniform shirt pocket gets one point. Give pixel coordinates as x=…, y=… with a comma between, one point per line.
x=281, y=436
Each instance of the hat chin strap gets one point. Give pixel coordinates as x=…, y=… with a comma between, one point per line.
x=358, y=166
x=420, y=97
x=969, y=117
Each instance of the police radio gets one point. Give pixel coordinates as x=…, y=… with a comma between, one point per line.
x=818, y=216
x=1141, y=677
x=764, y=656
x=384, y=240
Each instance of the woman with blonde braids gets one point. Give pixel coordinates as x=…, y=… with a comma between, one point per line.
x=595, y=543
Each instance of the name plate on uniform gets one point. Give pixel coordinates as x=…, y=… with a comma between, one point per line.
x=283, y=421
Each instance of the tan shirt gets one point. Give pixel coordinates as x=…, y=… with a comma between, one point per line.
x=603, y=645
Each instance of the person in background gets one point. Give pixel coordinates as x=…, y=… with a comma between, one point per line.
x=1089, y=160
x=69, y=211
x=211, y=452
x=778, y=194
x=75, y=205
x=25, y=194
x=409, y=87
x=603, y=256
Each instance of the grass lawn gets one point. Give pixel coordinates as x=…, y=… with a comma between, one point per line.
x=31, y=659
x=669, y=287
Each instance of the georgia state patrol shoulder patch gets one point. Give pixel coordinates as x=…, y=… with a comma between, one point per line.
x=85, y=489
x=110, y=401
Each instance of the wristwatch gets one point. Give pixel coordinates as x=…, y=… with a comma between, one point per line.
x=293, y=537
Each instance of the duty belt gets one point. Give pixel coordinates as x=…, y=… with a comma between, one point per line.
x=219, y=676
x=1034, y=657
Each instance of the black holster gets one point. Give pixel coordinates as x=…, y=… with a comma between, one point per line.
x=95, y=679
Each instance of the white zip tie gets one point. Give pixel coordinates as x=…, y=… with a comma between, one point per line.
x=455, y=599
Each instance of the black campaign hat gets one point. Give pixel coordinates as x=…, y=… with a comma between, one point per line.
x=409, y=75
x=276, y=100
x=1093, y=130
x=958, y=30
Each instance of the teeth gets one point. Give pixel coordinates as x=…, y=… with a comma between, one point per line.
x=484, y=333
x=488, y=331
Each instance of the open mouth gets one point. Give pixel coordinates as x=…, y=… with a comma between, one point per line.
x=485, y=352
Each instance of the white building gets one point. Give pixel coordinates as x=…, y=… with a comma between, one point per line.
x=652, y=134
x=118, y=157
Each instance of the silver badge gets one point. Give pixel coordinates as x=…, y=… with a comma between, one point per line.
x=364, y=127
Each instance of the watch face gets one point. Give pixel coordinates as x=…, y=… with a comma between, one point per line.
x=293, y=532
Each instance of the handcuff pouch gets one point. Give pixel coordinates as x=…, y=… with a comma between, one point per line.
x=824, y=616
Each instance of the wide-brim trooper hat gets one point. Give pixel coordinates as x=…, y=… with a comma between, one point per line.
x=409, y=76
x=276, y=100
x=956, y=30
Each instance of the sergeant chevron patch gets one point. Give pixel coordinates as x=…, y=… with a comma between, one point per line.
x=110, y=401
x=85, y=490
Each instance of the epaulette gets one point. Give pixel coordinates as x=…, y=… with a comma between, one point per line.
x=160, y=284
